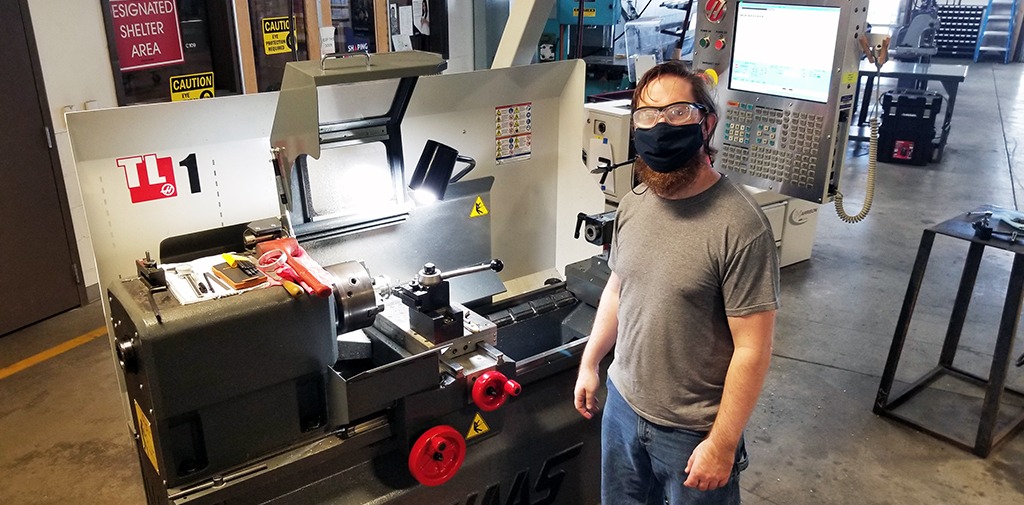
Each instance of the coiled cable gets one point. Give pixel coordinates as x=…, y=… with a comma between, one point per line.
x=869, y=192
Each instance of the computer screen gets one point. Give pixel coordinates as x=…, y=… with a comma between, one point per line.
x=784, y=50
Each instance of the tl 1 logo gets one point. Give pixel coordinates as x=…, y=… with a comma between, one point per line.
x=151, y=178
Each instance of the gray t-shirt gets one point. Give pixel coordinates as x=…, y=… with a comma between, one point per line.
x=685, y=265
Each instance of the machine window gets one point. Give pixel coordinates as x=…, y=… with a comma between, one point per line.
x=347, y=180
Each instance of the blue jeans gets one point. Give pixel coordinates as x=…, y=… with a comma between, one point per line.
x=644, y=463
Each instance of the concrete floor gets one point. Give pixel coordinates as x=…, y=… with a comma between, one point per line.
x=812, y=439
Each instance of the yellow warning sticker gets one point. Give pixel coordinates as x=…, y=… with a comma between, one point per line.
x=191, y=86
x=146, y=435
x=277, y=35
x=850, y=78
x=479, y=209
x=588, y=12
x=479, y=427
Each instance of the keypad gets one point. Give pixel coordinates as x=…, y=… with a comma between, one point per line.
x=774, y=144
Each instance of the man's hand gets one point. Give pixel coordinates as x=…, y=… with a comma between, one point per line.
x=585, y=394
x=711, y=463
x=600, y=341
x=709, y=466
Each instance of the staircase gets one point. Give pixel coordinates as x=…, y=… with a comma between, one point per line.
x=996, y=35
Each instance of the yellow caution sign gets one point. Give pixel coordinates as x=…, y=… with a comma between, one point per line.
x=850, y=78
x=479, y=427
x=588, y=12
x=479, y=209
x=191, y=86
x=146, y=435
x=277, y=35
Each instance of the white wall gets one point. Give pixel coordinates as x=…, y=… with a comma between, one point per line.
x=460, y=36
x=73, y=54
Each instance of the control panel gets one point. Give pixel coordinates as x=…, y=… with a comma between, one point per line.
x=785, y=74
x=608, y=147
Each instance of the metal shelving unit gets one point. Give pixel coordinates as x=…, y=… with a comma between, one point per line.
x=957, y=36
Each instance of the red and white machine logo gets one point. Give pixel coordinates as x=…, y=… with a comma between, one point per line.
x=148, y=177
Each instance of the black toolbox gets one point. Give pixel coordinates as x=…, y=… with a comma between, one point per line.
x=907, y=132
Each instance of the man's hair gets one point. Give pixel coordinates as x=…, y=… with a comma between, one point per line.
x=701, y=92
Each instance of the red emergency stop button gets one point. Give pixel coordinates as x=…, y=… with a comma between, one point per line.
x=714, y=10
x=720, y=44
x=491, y=390
x=437, y=455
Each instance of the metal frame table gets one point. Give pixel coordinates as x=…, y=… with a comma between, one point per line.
x=995, y=386
x=950, y=76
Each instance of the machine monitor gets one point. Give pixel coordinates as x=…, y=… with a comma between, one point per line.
x=803, y=72
x=785, y=75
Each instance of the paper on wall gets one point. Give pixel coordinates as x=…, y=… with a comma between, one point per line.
x=327, y=40
x=405, y=20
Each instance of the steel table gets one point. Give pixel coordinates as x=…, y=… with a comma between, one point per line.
x=988, y=436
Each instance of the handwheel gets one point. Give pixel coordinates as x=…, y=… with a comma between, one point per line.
x=491, y=390
x=437, y=455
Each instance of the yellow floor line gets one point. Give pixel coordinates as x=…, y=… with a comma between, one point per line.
x=51, y=352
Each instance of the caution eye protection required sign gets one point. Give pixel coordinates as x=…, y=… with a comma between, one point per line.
x=277, y=35
x=191, y=86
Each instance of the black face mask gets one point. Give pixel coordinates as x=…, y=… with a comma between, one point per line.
x=666, y=148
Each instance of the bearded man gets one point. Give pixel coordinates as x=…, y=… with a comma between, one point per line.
x=689, y=309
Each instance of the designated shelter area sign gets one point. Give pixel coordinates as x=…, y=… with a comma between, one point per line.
x=146, y=33
x=191, y=86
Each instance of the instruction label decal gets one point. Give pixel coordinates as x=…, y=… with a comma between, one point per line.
x=588, y=12
x=146, y=436
x=478, y=427
x=479, y=209
x=513, y=132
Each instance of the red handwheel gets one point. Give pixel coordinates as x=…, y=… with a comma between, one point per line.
x=491, y=390
x=437, y=455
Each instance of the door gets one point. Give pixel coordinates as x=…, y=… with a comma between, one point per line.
x=38, y=258
x=278, y=36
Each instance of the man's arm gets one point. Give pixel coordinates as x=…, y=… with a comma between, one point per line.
x=601, y=340
x=711, y=462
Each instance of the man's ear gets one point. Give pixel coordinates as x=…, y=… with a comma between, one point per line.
x=710, y=121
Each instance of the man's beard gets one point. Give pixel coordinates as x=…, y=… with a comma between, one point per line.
x=664, y=184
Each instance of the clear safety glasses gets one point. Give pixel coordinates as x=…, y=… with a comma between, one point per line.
x=675, y=114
